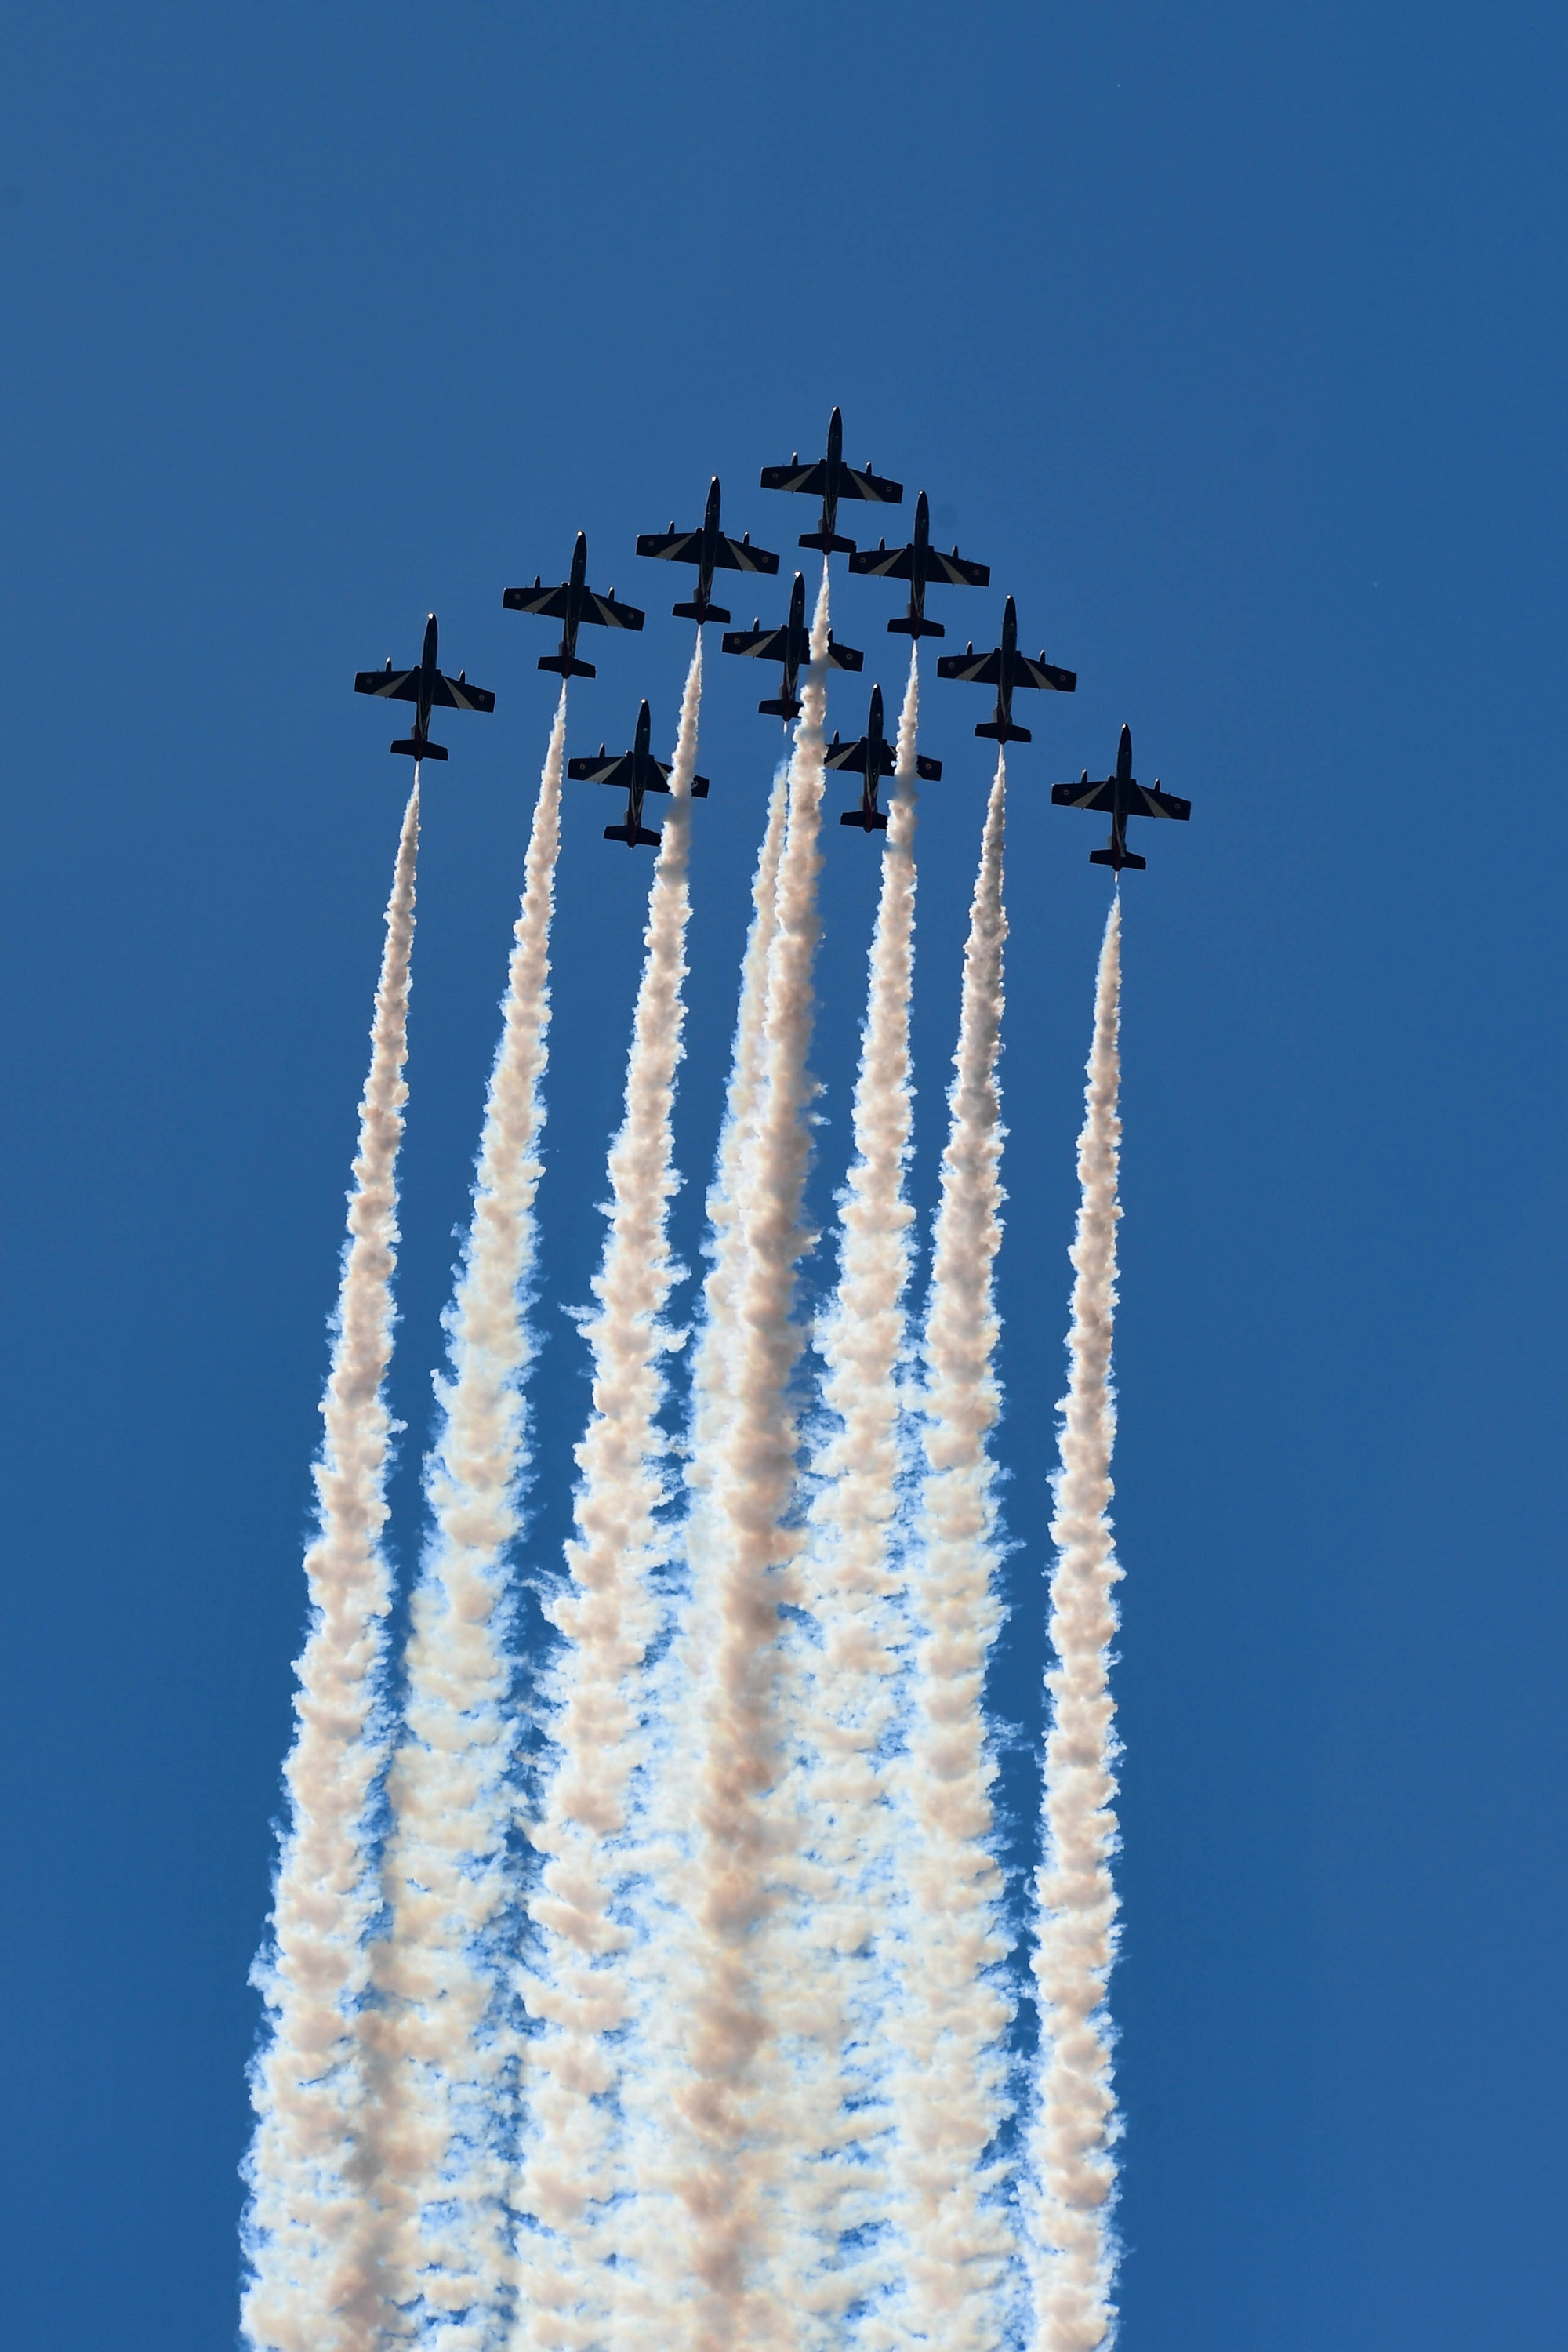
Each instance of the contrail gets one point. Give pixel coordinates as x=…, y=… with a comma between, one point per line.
x=852, y=1577
x=578, y=1984
x=434, y=2166
x=1075, y=2124
x=302, y=2221
x=723, y=2094
x=651, y=2221
x=957, y=2246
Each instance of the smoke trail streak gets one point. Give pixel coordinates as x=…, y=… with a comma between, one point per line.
x=579, y=1986
x=851, y=1577
x=947, y=2090
x=306, y=2085
x=433, y=2166
x=716, y=2076
x=1074, y=2127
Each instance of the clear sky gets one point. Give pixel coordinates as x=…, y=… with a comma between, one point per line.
x=1234, y=340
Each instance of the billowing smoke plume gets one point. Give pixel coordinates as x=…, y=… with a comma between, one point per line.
x=434, y=2169
x=956, y=2242
x=1074, y=2127
x=303, y=2228
x=578, y=1987
x=836, y=2189
x=719, y=2085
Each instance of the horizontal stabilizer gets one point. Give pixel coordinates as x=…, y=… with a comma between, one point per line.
x=568, y=664
x=1003, y=731
x=876, y=822
x=1129, y=858
x=635, y=837
x=829, y=541
x=781, y=708
x=416, y=750
x=906, y=625
x=700, y=611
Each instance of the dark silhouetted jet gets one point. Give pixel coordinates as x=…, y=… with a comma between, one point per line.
x=919, y=563
x=831, y=479
x=791, y=645
x=871, y=759
x=571, y=603
x=1005, y=668
x=640, y=772
x=708, y=548
x=428, y=690
x=1123, y=796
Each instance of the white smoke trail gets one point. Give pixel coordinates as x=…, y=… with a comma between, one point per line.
x=435, y=2168
x=579, y=1986
x=302, y=2221
x=947, y=2089
x=1074, y=2126
x=848, y=1694
x=714, y=2074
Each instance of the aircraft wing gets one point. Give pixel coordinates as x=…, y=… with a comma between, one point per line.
x=1042, y=673
x=812, y=479
x=882, y=562
x=1155, y=803
x=607, y=612
x=456, y=694
x=843, y=656
x=874, y=487
x=1085, y=794
x=549, y=601
x=674, y=546
x=976, y=669
x=615, y=769
x=847, y=755
x=956, y=569
x=393, y=684
x=740, y=555
x=771, y=645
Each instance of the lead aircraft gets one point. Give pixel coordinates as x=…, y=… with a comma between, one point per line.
x=1123, y=796
x=830, y=479
x=791, y=645
x=1006, y=669
x=709, y=549
x=919, y=563
x=427, y=689
x=872, y=757
x=640, y=772
x=571, y=603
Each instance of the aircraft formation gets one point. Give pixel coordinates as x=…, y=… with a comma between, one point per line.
x=710, y=550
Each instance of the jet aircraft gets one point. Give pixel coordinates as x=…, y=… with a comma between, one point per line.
x=872, y=759
x=831, y=479
x=571, y=603
x=1123, y=796
x=1006, y=669
x=709, y=549
x=919, y=563
x=427, y=689
x=640, y=772
x=791, y=645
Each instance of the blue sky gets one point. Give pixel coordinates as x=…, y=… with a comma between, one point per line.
x=1234, y=341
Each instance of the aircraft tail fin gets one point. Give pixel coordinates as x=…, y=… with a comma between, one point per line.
x=876, y=822
x=1129, y=858
x=829, y=541
x=1007, y=731
x=635, y=837
x=417, y=751
x=568, y=664
x=908, y=625
x=781, y=708
x=695, y=612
